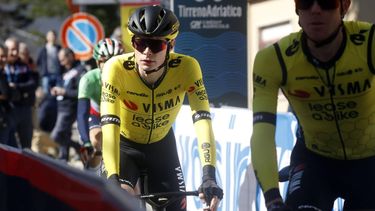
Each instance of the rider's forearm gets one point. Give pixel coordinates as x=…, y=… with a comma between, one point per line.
x=264, y=157
x=83, y=110
x=110, y=148
x=206, y=139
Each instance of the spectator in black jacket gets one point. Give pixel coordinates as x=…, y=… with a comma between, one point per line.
x=67, y=99
x=48, y=63
x=22, y=84
x=6, y=131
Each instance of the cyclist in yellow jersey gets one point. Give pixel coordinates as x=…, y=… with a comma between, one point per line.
x=326, y=71
x=142, y=93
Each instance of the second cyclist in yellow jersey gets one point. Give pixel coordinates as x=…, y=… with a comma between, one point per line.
x=142, y=93
x=326, y=71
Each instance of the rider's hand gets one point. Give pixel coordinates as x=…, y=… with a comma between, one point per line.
x=278, y=206
x=209, y=191
x=87, y=152
x=114, y=178
x=274, y=201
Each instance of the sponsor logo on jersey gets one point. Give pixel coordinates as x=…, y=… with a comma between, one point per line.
x=264, y=117
x=350, y=88
x=149, y=123
x=358, y=39
x=130, y=105
x=129, y=64
x=110, y=119
x=201, y=94
x=137, y=94
x=175, y=62
x=157, y=107
x=201, y=115
x=312, y=77
x=191, y=89
x=259, y=80
x=112, y=89
x=206, y=152
x=177, y=87
x=338, y=111
x=292, y=49
x=350, y=71
x=108, y=97
x=299, y=93
x=198, y=83
x=167, y=92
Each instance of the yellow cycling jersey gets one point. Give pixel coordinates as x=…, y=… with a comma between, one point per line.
x=144, y=113
x=333, y=101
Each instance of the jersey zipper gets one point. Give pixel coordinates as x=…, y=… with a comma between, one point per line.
x=331, y=87
x=152, y=114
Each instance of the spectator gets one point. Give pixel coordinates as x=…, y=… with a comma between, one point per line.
x=22, y=85
x=43, y=112
x=25, y=56
x=67, y=99
x=48, y=64
x=117, y=34
x=6, y=132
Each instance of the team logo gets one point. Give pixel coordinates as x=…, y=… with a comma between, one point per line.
x=130, y=105
x=129, y=65
x=191, y=89
x=299, y=93
x=292, y=49
x=175, y=62
x=358, y=39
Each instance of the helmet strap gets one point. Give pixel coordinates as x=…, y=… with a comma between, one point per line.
x=156, y=69
x=328, y=40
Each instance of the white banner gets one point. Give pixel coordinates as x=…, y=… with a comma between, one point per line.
x=233, y=129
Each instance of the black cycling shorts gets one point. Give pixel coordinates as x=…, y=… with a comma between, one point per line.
x=160, y=162
x=317, y=181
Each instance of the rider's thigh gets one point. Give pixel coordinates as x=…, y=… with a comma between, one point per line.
x=307, y=190
x=359, y=188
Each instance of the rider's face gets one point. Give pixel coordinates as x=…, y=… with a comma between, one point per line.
x=319, y=22
x=150, y=54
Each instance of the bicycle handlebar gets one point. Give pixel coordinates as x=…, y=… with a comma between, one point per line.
x=169, y=194
x=165, y=198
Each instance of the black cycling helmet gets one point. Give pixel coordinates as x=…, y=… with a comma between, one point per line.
x=153, y=21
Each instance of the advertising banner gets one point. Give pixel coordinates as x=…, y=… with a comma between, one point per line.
x=215, y=33
x=234, y=172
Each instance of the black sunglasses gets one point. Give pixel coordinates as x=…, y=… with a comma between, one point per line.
x=155, y=45
x=324, y=4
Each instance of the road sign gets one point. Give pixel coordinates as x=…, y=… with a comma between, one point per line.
x=80, y=32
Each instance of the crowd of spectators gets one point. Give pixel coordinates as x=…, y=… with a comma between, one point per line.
x=38, y=97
